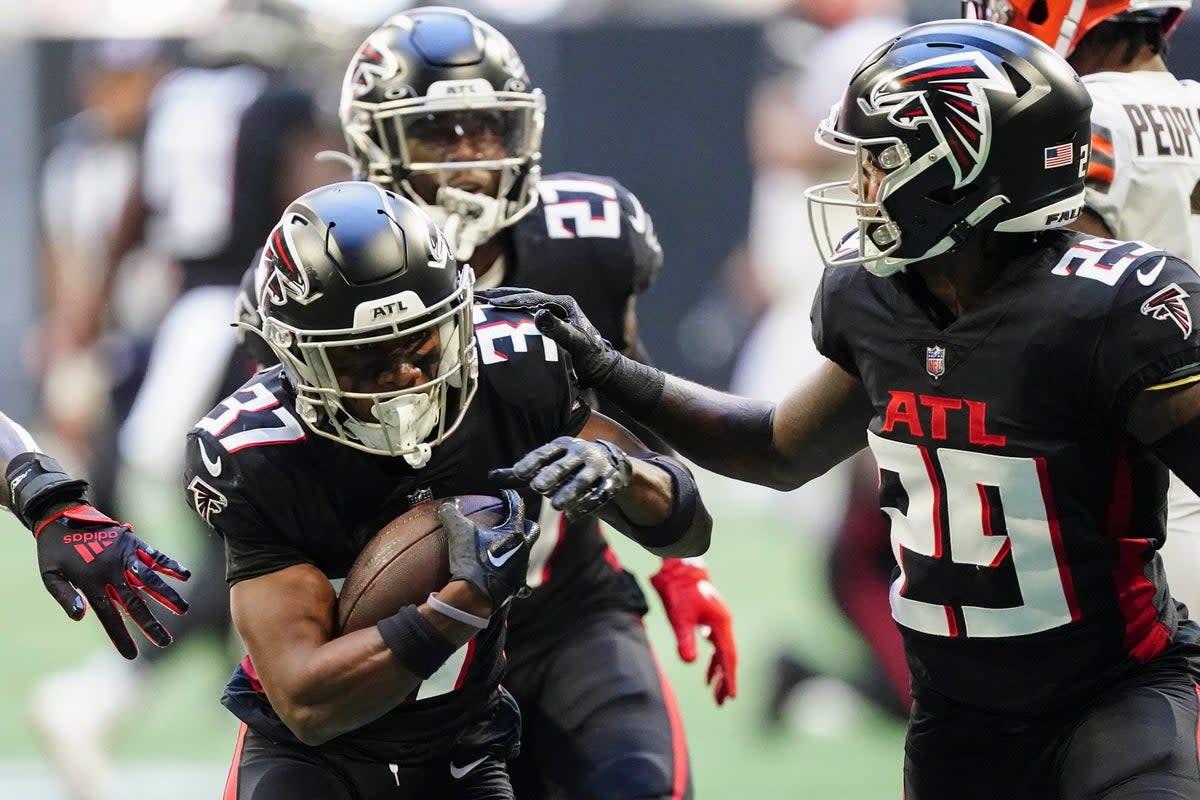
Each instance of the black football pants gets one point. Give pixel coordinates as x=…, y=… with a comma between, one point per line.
x=264, y=769
x=1135, y=741
x=600, y=721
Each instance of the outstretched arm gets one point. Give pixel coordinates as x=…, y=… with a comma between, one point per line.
x=819, y=424
x=83, y=551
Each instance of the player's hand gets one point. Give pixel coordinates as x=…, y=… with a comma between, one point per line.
x=82, y=551
x=559, y=317
x=577, y=475
x=493, y=560
x=691, y=602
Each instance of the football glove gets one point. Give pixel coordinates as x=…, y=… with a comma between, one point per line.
x=82, y=551
x=577, y=475
x=691, y=602
x=493, y=560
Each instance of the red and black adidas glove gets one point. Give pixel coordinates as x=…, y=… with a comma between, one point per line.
x=82, y=551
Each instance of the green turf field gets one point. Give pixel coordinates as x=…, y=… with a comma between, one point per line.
x=769, y=574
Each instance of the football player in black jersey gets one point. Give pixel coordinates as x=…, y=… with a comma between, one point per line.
x=437, y=106
x=393, y=388
x=84, y=556
x=1021, y=387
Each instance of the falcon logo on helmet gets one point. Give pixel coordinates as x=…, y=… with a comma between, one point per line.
x=1167, y=303
x=283, y=277
x=374, y=63
x=948, y=94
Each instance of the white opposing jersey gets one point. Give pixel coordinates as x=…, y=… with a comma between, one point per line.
x=1144, y=175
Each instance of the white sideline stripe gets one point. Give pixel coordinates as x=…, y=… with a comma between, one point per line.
x=34, y=779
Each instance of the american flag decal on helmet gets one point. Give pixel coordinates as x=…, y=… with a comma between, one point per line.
x=1167, y=303
x=946, y=93
x=1059, y=156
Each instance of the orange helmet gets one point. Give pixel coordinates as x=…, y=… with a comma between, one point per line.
x=1062, y=23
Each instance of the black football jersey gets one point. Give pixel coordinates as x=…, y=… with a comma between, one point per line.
x=588, y=237
x=1024, y=520
x=280, y=495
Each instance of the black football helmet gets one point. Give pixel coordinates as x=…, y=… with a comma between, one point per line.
x=357, y=281
x=977, y=127
x=434, y=69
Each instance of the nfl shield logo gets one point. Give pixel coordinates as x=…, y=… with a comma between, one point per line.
x=935, y=361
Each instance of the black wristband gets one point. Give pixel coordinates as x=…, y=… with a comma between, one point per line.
x=415, y=642
x=35, y=482
x=634, y=386
x=683, y=511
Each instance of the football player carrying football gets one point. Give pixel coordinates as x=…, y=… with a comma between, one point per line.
x=81, y=551
x=438, y=107
x=1021, y=387
x=394, y=388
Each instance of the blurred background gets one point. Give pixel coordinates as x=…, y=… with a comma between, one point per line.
x=703, y=108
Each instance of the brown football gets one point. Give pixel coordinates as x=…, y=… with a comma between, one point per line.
x=405, y=561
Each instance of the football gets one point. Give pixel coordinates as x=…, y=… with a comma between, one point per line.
x=405, y=561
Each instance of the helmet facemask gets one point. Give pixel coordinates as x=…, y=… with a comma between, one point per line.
x=325, y=365
x=398, y=140
x=848, y=228
x=852, y=230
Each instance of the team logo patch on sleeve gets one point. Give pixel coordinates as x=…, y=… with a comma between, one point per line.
x=208, y=501
x=1167, y=303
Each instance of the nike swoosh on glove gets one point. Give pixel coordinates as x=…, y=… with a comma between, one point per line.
x=493, y=560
